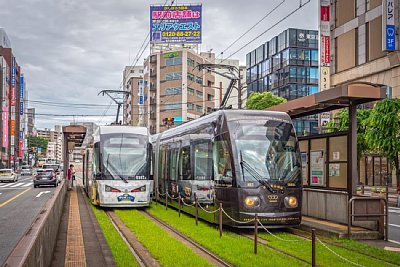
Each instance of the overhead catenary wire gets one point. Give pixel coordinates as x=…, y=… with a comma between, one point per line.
x=268, y=29
x=252, y=27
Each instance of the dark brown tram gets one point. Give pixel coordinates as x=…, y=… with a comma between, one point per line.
x=247, y=160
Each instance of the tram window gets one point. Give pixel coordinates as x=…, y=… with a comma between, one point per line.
x=162, y=166
x=222, y=163
x=172, y=163
x=203, y=161
x=95, y=161
x=184, y=164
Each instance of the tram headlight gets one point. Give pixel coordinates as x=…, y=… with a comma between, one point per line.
x=252, y=201
x=291, y=202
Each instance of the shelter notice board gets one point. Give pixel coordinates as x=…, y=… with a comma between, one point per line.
x=317, y=168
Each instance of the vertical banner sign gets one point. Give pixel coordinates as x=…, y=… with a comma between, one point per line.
x=324, y=44
x=12, y=124
x=317, y=170
x=176, y=24
x=388, y=25
x=5, y=127
x=21, y=95
x=141, y=92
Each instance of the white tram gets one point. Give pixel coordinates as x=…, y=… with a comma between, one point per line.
x=116, y=167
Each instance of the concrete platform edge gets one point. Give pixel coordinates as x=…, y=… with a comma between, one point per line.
x=37, y=245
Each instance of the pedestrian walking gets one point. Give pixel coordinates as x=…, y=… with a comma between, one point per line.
x=70, y=176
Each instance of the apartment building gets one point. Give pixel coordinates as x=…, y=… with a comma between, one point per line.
x=133, y=102
x=175, y=90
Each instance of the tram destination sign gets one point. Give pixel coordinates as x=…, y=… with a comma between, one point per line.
x=176, y=24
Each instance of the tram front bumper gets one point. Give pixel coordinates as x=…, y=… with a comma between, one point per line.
x=272, y=219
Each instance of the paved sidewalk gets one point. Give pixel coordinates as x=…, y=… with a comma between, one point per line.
x=80, y=241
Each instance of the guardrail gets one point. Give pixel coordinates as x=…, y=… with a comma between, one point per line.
x=36, y=247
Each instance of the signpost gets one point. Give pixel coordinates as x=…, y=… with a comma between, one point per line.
x=388, y=26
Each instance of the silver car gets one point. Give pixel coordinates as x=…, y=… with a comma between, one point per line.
x=26, y=170
x=7, y=175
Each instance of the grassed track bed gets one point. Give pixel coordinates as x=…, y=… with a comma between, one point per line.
x=233, y=248
x=120, y=251
x=238, y=250
x=167, y=250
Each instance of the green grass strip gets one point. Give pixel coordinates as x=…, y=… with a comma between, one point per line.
x=166, y=249
x=120, y=251
x=236, y=249
x=323, y=256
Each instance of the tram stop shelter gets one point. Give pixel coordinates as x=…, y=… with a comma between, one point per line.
x=329, y=161
x=73, y=136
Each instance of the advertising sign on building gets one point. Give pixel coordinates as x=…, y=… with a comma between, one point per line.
x=5, y=127
x=388, y=26
x=317, y=170
x=324, y=44
x=141, y=100
x=176, y=24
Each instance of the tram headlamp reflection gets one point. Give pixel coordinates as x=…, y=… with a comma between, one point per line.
x=291, y=202
x=252, y=201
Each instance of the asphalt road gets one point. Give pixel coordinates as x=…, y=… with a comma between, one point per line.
x=20, y=203
x=394, y=225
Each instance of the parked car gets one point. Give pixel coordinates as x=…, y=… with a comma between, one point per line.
x=7, y=175
x=45, y=177
x=26, y=170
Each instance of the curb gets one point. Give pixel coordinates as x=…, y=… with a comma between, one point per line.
x=36, y=247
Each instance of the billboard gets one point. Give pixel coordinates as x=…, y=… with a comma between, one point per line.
x=21, y=95
x=324, y=45
x=176, y=24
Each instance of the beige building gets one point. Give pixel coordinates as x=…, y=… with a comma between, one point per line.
x=132, y=79
x=174, y=88
x=356, y=45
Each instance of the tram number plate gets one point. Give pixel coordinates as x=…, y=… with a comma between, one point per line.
x=126, y=197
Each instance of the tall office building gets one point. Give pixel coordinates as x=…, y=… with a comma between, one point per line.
x=133, y=102
x=287, y=66
x=175, y=90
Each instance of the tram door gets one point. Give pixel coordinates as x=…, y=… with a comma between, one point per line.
x=172, y=170
x=162, y=171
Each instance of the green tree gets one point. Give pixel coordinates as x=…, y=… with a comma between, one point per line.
x=263, y=100
x=384, y=131
x=36, y=141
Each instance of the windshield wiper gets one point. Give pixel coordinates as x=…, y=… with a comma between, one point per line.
x=112, y=174
x=255, y=174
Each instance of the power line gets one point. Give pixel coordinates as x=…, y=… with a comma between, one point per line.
x=267, y=30
x=252, y=27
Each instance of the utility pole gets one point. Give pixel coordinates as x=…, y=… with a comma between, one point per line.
x=239, y=90
x=118, y=97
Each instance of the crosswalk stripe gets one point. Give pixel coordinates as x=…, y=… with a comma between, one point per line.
x=18, y=184
x=28, y=184
x=7, y=184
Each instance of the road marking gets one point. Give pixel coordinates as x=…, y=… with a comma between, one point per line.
x=14, y=197
x=394, y=208
x=394, y=225
x=18, y=184
x=5, y=185
x=43, y=192
x=394, y=211
x=28, y=184
x=393, y=241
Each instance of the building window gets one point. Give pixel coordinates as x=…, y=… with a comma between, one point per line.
x=190, y=106
x=173, y=61
x=173, y=91
x=190, y=91
x=209, y=110
x=169, y=106
x=191, y=62
x=199, y=109
x=190, y=77
x=199, y=80
x=173, y=76
x=209, y=97
x=199, y=94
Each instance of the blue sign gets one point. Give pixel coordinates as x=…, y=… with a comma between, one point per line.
x=21, y=108
x=175, y=24
x=140, y=100
x=126, y=197
x=13, y=71
x=141, y=92
x=390, y=38
x=21, y=91
x=178, y=120
x=21, y=135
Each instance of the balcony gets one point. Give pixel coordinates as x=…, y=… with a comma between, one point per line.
x=153, y=59
x=153, y=87
x=153, y=116
x=152, y=101
x=153, y=73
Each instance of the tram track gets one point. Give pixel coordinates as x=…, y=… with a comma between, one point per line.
x=197, y=248
x=141, y=254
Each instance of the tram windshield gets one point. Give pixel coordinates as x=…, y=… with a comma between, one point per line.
x=267, y=151
x=124, y=157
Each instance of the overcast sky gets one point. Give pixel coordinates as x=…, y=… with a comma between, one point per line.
x=70, y=50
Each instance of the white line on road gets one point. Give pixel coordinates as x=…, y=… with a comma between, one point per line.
x=41, y=193
x=28, y=184
x=394, y=211
x=18, y=184
x=5, y=185
x=394, y=225
x=394, y=208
